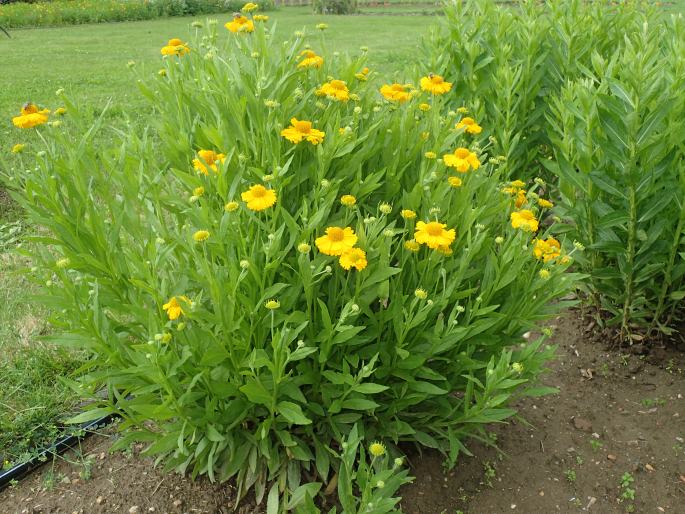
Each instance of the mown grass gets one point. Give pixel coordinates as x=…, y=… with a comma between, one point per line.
x=90, y=63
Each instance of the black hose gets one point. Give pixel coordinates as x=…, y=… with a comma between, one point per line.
x=60, y=446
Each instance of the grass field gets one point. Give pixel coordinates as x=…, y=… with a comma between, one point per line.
x=90, y=63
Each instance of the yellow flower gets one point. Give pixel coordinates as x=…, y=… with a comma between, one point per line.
x=462, y=160
x=175, y=47
x=198, y=191
x=430, y=155
x=260, y=17
x=231, y=206
x=259, y=198
x=385, y=208
x=336, y=241
x=433, y=234
x=201, y=235
x=18, y=148
x=520, y=198
x=525, y=220
x=407, y=214
x=322, y=26
x=517, y=184
x=469, y=125
x=463, y=110
x=208, y=159
x=545, y=204
x=60, y=111
x=162, y=72
x=272, y=304
x=310, y=60
x=240, y=24
x=445, y=250
x=304, y=248
x=302, y=130
x=421, y=294
x=544, y=274
x=353, y=258
x=412, y=245
x=424, y=107
x=30, y=116
x=455, y=181
x=249, y=7
x=173, y=307
x=348, y=200
x=435, y=84
x=377, y=449
x=335, y=89
x=547, y=250
x=395, y=93
x=362, y=75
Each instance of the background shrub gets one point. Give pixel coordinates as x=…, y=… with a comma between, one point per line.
x=280, y=355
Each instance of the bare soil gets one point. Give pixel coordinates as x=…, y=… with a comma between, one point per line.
x=616, y=413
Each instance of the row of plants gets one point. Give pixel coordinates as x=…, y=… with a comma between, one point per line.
x=285, y=285
x=588, y=96
x=73, y=12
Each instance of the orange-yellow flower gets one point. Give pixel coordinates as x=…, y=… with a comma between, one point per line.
x=260, y=17
x=335, y=89
x=30, y=116
x=435, y=84
x=175, y=47
x=395, y=93
x=173, y=306
x=201, y=235
x=525, y=220
x=302, y=130
x=348, y=200
x=208, y=159
x=545, y=204
x=462, y=160
x=353, y=258
x=249, y=7
x=433, y=234
x=455, y=181
x=469, y=125
x=259, y=198
x=362, y=75
x=336, y=241
x=240, y=23
x=546, y=250
x=310, y=60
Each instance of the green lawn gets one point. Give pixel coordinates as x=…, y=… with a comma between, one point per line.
x=90, y=63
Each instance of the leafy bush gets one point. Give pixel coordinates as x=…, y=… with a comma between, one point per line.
x=562, y=96
x=69, y=12
x=335, y=6
x=253, y=288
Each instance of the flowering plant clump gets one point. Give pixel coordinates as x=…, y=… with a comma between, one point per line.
x=258, y=289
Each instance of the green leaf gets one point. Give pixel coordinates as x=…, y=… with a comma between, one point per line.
x=256, y=392
x=301, y=492
x=370, y=388
x=359, y=404
x=293, y=413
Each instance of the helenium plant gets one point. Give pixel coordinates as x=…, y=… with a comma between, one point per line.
x=281, y=264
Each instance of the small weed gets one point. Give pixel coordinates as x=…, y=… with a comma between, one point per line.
x=678, y=449
x=489, y=473
x=627, y=492
x=596, y=444
x=570, y=475
x=648, y=402
x=579, y=460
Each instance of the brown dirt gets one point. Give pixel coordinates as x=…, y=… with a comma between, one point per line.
x=616, y=413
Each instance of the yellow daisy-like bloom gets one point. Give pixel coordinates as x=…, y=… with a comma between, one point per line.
x=412, y=245
x=377, y=449
x=462, y=160
x=545, y=204
x=302, y=130
x=435, y=84
x=310, y=60
x=445, y=250
x=395, y=93
x=335, y=89
x=469, y=125
x=208, y=159
x=18, y=148
x=433, y=234
x=260, y=17
x=462, y=110
x=517, y=184
x=520, y=198
x=240, y=24
x=175, y=47
x=408, y=214
x=455, y=181
x=259, y=198
x=30, y=116
x=198, y=191
x=60, y=111
x=421, y=293
x=362, y=75
x=425, y=107
x=336, y=241
x=231, y=206
x=173, y=306
x=272, y=304
x=249, y=7
x=547, y=250
x=430, y=155
x=353, y=258
x=201, y=235
x=348, y=200
x=544, y=274
x=525, y=220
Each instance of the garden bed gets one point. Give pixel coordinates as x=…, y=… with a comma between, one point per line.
x=615, y=414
